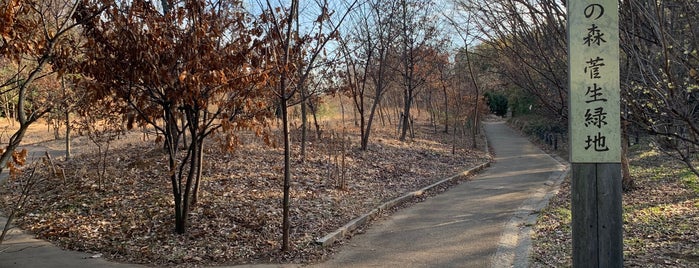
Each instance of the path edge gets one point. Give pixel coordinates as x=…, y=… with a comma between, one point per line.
x=515, y=245
x=352, y=225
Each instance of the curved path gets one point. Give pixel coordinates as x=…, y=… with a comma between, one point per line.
x=21, y=249
x=480, y=223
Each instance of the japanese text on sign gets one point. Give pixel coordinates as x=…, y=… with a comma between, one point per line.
x=594, y=81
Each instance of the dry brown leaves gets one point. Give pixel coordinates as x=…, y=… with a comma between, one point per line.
x=238, y=218
x=660, y=218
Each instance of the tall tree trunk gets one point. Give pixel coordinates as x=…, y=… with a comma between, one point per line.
x=382, y=116
x=362, y=123
x=446, y=110
x=476, y=120
x=304, y=105
x=354, y=116
x=177, y=195
x=286, y=226
x=67, y=118
x=406, y=114
x=68, y=140
x=170, y=135
x=190, y=176
x=314, y=112
x=283, y=98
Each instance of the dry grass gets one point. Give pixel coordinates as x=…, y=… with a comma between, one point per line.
x=660, y=217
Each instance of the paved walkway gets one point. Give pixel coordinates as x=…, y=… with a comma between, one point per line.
x=481, y=223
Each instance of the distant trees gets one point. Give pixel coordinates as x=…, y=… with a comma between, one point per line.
x=367, y=48
x=497, y=102
x=529, y=39
x=417, y=37
x=659, y=63
x=391, y=47
x=38, y=43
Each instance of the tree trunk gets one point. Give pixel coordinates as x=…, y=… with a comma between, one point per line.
x=66, y=107
x=406, y=114
x=382, y=116
x=177, y=195
x=367, y=131
x=314, y=112
x=184, y=121
x=12, y=145
x=475, y=123
x=197, y=179
x=304, y=124
x=6, y=108
x=67, y=115
x=476, y=126
x=446, y=110
x=362, y=123
x=283, y=99
x=354, y=114
x=171, y=135
x=286, y=226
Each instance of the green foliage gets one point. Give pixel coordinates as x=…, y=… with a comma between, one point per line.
x=520, y=102
x=539, y=125
x=497, y=103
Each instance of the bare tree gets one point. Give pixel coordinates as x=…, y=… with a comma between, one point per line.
x=661, y=84
x=418, y=37
x=288, y=44
x=367, y=47
x=530, y=38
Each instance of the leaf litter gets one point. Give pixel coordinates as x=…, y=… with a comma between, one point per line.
x=238, y=217
x=661, y=216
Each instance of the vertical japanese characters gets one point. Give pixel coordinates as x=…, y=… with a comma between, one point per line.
x=594, y=85
x=595, y=114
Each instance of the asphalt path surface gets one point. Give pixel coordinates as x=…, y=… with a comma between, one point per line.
x=480, y=223
x=485, y=222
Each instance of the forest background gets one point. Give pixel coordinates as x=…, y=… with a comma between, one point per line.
x=205, y=79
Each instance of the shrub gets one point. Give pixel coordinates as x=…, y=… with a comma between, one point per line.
x=497, y=103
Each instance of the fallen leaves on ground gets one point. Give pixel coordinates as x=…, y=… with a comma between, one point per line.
x=237, y=220
x=661, y=216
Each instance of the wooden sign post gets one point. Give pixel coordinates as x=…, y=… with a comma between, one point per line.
x=595, y=132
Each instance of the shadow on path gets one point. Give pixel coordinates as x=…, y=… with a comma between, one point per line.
x=474, y=224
